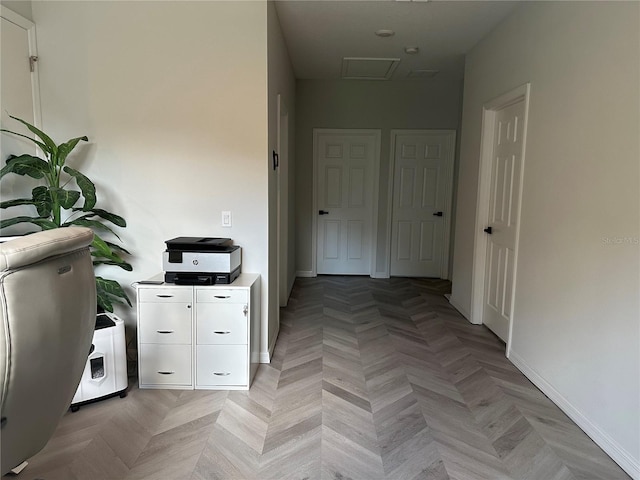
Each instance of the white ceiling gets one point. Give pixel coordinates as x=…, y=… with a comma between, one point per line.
x=320, y=33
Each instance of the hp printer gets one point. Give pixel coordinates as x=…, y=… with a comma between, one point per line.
x=201, y=261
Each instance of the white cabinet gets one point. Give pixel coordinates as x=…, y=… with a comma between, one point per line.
x=165, y=336
x=203, y=337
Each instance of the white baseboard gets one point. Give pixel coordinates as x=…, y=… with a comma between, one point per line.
x=463, y=311
x=265, y=357
x=608, y=444
x=380, y=275
x=305, y=274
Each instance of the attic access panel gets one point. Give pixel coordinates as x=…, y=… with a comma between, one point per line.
x=359, y=68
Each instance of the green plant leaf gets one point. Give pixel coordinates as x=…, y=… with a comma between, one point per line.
x=34, y=167
x=104, y=255
x=100, y=247
x=49, y=145
x=16, y=202
x=98, y=212
x=112, y=289
x=93, y=224
x=103, y=300
x=65, y=198
x=42, y=146
x=42, y=201
x=43, y=223
x=123, y=265
x=118, y=248
x=86, y=186
x=64, y=149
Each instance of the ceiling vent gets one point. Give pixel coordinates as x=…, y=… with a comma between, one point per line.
x=422, y=73
x=358, y=68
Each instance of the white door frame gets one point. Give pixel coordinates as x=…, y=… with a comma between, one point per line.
x=30, y=27
x=282, y=201
x=375, y=133
x=484, y=192
x=448, y=194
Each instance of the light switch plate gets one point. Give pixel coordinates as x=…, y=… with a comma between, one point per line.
x=226, y=219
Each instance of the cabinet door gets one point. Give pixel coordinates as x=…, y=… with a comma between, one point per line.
x=165, y=323
x=165, y=365
x=221, y=365
x=224, y=323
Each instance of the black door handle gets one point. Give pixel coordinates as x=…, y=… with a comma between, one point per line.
x=488, y=230
x=323, y=212
x=437, y=214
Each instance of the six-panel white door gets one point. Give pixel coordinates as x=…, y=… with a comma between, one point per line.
x=503, y=218
x=423, y=174
x=20, y=98
x=346, y=163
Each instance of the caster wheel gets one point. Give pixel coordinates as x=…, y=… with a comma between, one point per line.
x=75, y=408
x=123, y=394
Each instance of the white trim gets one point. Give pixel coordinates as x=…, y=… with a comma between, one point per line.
x=305, y=274
x=282, y=202
x=380, y=275
x=489, y=111
x=604, y=441
x=265, y=357
x=30, y=27
x=376, y=133
x=455, y=304
x=16, y=18
x=448, y=194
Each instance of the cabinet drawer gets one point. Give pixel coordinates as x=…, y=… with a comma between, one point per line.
x=221, y=324
x=221, y=295
x=165, y=323
x=165, y=294
x=165, y=365
x=221, y=365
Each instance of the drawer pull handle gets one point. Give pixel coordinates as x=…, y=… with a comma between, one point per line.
x=219, y=332
x=166, y=373
x=164, y=331
x=222, y=374
x=164, y=295
x=222, y=296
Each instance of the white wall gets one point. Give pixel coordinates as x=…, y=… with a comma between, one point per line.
x=173, y=98
x=281, y=82
x=433, y=104
x=576, y=320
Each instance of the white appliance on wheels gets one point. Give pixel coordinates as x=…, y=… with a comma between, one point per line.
x=105, y=374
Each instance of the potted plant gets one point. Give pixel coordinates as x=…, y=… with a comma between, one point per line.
x=67, y=198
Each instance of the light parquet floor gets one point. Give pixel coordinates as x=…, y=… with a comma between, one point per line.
x=371, y=379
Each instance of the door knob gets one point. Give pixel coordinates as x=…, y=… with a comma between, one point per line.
x=437, y=214
x=323, y=212
x=488, y=230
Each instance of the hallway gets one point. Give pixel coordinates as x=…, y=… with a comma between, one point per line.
x=371, y=379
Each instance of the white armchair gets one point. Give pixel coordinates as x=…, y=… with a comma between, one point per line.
x=47, y=317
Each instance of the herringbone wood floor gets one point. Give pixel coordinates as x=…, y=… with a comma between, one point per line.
x=371, y=379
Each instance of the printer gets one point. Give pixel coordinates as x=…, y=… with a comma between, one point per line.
x=201, y=261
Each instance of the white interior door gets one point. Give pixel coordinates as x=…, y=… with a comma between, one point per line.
x=423, y=174
x=19, y=98
x=502, y=224
x=346, y=172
